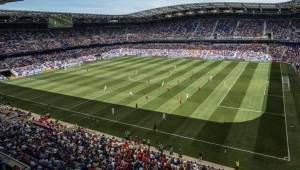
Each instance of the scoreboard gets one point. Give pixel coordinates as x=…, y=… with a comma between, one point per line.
x=60, y=21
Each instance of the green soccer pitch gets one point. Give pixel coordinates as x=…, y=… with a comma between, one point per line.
x=229, y=110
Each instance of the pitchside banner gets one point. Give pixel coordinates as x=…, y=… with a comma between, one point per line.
x=60, y=21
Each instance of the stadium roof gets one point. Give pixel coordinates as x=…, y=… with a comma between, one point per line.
x=290, y=7
x=6, y=1
x=199, y=7
x=114, y=7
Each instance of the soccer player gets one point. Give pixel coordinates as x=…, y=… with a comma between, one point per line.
x=148, y=142
x=161, y=148
x=164, y=117
x=171, y=149
x=130, y=93
x=136, y=106
x=237, y=165
x=127, y=134
x=146, y=97
x=180, y=101
x=113, y=111
x=187, y=96
x=155, y=127
x=211, y=77
x=200, y=156
x=163, y=84
x=105, y=88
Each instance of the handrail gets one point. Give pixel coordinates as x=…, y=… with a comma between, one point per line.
x=13, y=162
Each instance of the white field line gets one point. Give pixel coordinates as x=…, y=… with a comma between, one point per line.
x=275, y=95
x=89, y=100
x=229, y=89
x=36, y=79
x=36, y=97
x=286, y=130
x=84, y=102
x=266, y=91
x=159, y=131
x=250, y=110
x=266, y=88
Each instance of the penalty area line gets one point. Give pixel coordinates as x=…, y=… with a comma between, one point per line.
x=250, y=110
x=229, y=89
x=84, y=102
x=159, y=131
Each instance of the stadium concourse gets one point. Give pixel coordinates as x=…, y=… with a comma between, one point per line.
x=215, y=81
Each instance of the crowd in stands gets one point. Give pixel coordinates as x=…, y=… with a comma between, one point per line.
x=36, y=64
x=226, y=27
x=280, y=29
x=250, y=28
x=252, y=52
x=43, y=143
x=287, y=54
x=14, y=41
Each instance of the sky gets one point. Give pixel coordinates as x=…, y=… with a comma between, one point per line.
x=109, y=7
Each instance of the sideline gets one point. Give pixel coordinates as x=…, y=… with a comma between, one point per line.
x=158, y=131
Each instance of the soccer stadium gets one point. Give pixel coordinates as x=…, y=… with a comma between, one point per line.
x=202, y=85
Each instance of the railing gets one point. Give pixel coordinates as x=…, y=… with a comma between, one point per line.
x=11, y=162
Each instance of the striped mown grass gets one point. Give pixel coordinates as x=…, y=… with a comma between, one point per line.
x=196, y=89
x=237, y=106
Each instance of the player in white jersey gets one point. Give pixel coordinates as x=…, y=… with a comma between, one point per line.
x=164, y=117
x=163, y=84
x=113, y=111
x=105, y=88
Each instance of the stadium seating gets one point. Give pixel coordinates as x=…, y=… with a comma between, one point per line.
x=45, y=144
x=30, y=65
x=22, y=41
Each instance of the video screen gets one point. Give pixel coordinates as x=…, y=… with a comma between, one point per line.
x=60, y=21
